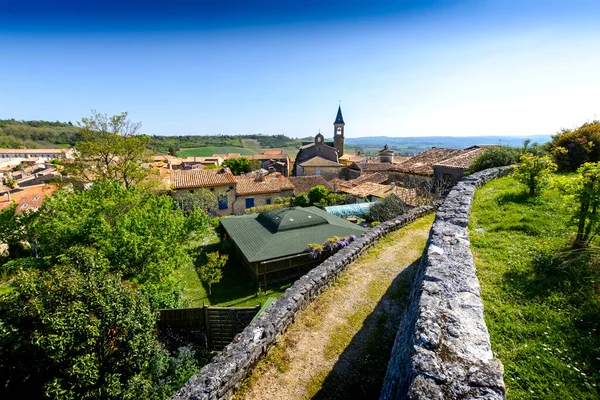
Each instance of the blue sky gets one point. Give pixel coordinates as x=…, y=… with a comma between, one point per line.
x=400, y=68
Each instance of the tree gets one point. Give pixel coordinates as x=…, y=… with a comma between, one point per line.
x=534, y=171
x=301, y=200
x=237, y=166
x=76, y=331
x=572, y=148
x=317, y=193
x=11, y=184
x=583, y=192
x=495, y=157
x=212, y=271
x=111, y=148
x=387, y=208
x=253, y=165
x=202, y=199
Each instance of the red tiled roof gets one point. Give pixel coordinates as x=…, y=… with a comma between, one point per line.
x=464, y=159
x=422, y=163
x=268, y=184
x=320, y=162
x=302, y=184
x=29, y=198
x=196, y=178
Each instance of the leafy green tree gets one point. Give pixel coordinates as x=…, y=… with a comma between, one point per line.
x=572, y=148
x=237, y=166
x=583, y=193
x=211, y=166
x=202, y=199
x=253, y=165
x=317, y=193
x=534, y=171
x=111, y=148
x=212, y=271
x=75, y=331
x=301, y=200
x=388, y=208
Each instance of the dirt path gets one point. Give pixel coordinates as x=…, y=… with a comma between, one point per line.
x=339, y=346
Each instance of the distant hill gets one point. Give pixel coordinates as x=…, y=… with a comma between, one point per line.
x=412, y=145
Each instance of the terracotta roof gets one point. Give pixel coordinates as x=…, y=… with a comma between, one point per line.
x=193, y=178
x=302, y=184
x=464, y=159
x=375, y=189
x=422, y=163
x=29, y=198
x=375, y=177
x=273, y=152
x=353, y=157
x=320, y=162
x=373, y=166
x=269, y=184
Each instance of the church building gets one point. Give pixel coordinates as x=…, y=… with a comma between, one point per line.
x=322, y=158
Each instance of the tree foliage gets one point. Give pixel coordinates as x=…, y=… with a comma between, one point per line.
x=212, y=271
x=534, y=171
x=387, y=208
x=583, y=194
x=111, y=148
x=201, y=199
x=76, y=331
x=237, y=166
x=572, y=148
x=317, y=193
x=495, y=157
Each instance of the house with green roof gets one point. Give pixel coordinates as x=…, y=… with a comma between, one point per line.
x=272, y=245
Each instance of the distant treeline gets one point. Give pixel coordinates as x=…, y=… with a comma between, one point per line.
x=16, y=134
x=32, y=134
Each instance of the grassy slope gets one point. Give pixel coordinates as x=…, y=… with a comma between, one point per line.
x=543, y=316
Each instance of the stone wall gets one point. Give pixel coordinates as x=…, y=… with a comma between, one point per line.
x=226, y=371
x=442, y=349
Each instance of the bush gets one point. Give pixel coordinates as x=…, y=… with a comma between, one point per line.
x=572, y=148
x=495, y=157
x=534, y=172
x=388, y=208
x=317, y=193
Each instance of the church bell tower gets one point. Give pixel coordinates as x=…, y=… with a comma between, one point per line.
x=338, y=132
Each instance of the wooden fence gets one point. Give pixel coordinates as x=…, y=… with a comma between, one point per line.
x=213, y=327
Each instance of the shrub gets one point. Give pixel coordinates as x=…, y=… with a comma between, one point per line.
x=495, y=157
x=301, y=200
x=572, y=148
x=317, y=193
x=388, y=208
x=534, y=171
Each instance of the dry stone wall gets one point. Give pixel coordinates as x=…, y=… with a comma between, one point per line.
x=226, y=371
x=442, y=349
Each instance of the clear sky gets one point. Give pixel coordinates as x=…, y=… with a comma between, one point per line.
x=400, y=68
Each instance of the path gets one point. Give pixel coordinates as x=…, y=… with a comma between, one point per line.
x=339, y=346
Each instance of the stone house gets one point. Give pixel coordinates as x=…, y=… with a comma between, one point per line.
x=221, y=182
x=260, y=191
x=320, y=166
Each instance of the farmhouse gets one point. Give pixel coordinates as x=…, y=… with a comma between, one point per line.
x=271, y=245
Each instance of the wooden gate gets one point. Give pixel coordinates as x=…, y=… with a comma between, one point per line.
x=213, y=327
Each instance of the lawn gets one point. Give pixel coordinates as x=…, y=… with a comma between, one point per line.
x=542, y=310
x=236, y=289
x=210, y=150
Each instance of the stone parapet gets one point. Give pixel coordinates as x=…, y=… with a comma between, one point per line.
x=442, y=349
x=227, y=370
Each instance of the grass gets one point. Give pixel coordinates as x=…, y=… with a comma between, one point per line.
x=236, y=289
x=543, y=313
x=210, y=150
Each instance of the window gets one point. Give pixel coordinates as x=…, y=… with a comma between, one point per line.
x=317, y=171
x=249, y=202
x=223, y=201
x=268, y=201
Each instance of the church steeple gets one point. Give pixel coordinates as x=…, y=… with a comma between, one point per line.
x=339, y=119
x=338, y=132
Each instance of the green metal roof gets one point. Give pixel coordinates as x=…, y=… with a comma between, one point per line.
x=285, y=231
